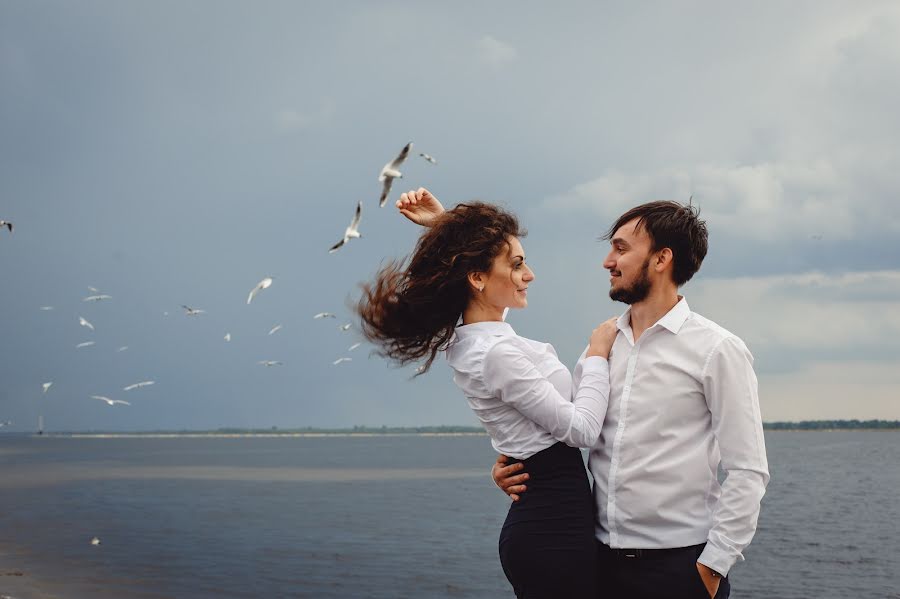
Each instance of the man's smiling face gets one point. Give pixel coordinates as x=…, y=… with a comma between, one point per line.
x=628, y=263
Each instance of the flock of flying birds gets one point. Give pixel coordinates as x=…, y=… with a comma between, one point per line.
x=386, y=177
x=188, y=311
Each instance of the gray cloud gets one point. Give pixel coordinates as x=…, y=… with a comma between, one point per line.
x=171, y=153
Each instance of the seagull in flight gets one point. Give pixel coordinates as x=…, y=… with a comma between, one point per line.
x=354, y=346
x=345, y=327
x=46, y=386
x=268, y=363
x=7, y=224
x=227, y=336
x=275, y=329
x=339, y=360
x=390, y=172
x=85, y=344
x=46, y=308
x=93, y=289
x=83, y=322
x=138, y=385
x=324, y=315
x=123, y=348
x=350, y=232
x=191, y=311
x=95, y=541
x=111, y=402
x=264, y=284
x=97, y=298
x=428, y=158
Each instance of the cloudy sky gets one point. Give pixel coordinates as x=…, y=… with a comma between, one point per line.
x=174, y=153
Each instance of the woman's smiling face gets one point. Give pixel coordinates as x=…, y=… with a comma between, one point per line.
x=505, y=286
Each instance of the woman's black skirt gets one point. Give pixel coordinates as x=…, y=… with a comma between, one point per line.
x=547, y=545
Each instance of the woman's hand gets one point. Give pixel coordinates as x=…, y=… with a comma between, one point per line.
x=602, y=339
x=420, y=207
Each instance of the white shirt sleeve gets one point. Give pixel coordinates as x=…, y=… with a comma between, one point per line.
x=510, y=373
x=731, y=394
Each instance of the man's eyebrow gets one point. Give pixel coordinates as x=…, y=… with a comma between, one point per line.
x=619, y=241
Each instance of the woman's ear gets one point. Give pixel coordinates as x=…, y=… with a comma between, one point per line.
x=476, y=280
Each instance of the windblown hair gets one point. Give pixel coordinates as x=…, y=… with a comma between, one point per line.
x=410, y=313
x=674, y=226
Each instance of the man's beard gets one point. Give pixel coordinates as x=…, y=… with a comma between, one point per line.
x=638, y=291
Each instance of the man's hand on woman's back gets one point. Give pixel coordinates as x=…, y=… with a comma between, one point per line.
x=509, y=478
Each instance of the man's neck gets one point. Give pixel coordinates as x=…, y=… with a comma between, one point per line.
x=646, y=313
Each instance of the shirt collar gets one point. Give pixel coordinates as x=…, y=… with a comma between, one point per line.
x=490, y=327
x=676, y=317
x=673, y=320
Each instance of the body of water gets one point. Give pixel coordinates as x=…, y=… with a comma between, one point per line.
x=382, y=517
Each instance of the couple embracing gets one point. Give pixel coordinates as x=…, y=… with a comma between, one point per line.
x=663, y=398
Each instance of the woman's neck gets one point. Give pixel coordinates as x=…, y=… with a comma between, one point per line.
x=482, y=313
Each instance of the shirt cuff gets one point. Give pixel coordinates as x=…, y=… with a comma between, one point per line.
x=596, y=365
x=716, y=559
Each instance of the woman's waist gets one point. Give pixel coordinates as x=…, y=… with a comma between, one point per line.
x=511, y=433
x=520, y=441
x=557, y=489
x=558, y=460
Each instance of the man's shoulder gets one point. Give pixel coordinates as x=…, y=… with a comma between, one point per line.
x=712, y=332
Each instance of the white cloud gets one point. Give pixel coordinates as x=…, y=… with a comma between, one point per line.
x=762, y=201
x=495, y=53
x=825, y=346
x=810, y=314
x=796, y=139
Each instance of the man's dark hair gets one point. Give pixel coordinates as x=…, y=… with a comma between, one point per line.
x=674, y=226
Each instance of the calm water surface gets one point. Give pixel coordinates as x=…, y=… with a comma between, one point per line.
x=384, y=517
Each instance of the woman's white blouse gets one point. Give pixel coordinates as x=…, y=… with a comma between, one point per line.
x=522, y=393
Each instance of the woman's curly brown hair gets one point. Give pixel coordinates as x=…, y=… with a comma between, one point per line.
x=410, y=313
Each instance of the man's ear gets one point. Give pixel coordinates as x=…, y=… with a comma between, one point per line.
x=664, y=259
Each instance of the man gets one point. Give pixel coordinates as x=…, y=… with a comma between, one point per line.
x=683, y=402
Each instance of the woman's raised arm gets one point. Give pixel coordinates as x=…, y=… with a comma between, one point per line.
x=420, y=207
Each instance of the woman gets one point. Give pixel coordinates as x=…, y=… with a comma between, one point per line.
x=470, y=264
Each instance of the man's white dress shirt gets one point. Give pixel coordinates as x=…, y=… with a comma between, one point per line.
x=683, y=401
x=522, y=393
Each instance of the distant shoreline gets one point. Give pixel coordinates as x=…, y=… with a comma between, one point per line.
x=834, y=425
x=271, y=435
x=431, y=431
